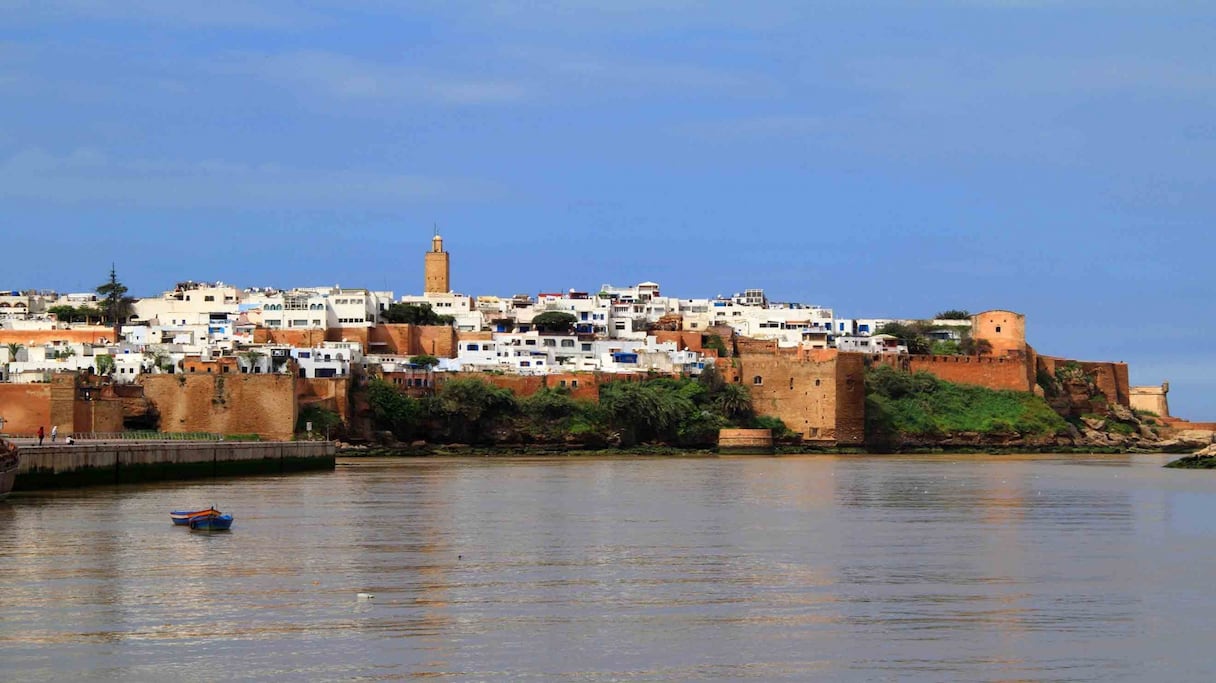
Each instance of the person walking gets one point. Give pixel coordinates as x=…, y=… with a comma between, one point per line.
x=41, y=434
x=54, y=432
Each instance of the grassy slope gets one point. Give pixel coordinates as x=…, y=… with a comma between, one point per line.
x=922, y=405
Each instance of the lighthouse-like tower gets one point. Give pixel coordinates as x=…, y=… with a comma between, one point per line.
x=437, y=268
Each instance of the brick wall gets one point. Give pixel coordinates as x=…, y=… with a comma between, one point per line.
x=224, y=404
x=25, y=407
x=850, y=397
x=992, y=372
x=78, y=334
x=1110, y=378
x=330, y=393
x=683, y=339
x=820, y=396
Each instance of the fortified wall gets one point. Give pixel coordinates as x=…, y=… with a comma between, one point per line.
x=994, y=372
x=224, y=404
x=1110, y=378
x=25, y=407
x=328, y=393
x=1152, y=399
x=819, y=394
x=71, y=402
x=396, y=339
x=78, y=334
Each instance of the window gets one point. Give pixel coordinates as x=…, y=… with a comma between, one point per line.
x=208, y=298
x=550, y=342
x=567, y=343
x=574, y=383
x=757, y=380
x=791, y=383
x=816, y=382
x=998, y=329
x=587, y=347
x=474, y=347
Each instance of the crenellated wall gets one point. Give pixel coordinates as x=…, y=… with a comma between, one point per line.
x=993, y=372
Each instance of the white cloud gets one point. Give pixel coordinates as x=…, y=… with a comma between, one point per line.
x=87, y=175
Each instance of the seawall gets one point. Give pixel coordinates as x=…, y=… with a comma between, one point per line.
x=84, y=464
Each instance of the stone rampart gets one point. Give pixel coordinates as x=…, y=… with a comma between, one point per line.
x=820, y=396
x=224, y=404
x=25, y=407
x=1110, y=378
x=86, y=463
x=745, y=441
x=992, y=372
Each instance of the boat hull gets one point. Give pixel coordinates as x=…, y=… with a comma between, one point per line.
x=9, y=460
x=211, y=523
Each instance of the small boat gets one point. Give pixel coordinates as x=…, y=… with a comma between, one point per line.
x=9, y=460
x=183, y=517
x=211, y=523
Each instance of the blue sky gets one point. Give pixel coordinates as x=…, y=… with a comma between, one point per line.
x=884, y=158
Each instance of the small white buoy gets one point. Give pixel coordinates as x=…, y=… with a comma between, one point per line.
x=365, y=596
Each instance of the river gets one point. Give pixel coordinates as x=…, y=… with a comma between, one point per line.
x=978, y=568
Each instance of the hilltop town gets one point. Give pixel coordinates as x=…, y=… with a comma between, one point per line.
x=267, y=363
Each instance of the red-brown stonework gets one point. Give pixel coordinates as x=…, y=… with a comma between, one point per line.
x=224, y=404
x=820, y=395
x=993, y=372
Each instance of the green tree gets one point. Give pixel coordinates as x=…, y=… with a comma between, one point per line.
x=104, y=363
x=469, y=408
x=324, y=422
x=715, y=343
x=643, y=411
x=912, y=336
x=424, y=360
x=251, y=359
x=415, y=314
x=393, y=410
x=953, y=314
x=550, y=403
x=971, y=346
x=557, y=322
x=115, y=305
x=711, y=378
x=734, y=400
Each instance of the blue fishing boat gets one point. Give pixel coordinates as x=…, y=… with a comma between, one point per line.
x=211, y=523
x=183, y=517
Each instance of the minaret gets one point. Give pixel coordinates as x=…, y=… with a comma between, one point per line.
x=436, y=270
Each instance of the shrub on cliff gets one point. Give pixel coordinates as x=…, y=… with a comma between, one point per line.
x=467, y=410
x=920, y=405
x=393, y=410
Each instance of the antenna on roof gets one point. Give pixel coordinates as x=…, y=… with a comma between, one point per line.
x=436, y=229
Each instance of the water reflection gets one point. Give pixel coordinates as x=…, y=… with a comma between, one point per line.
x=623, y=569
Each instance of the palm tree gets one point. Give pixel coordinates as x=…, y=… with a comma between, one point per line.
x=734, y=400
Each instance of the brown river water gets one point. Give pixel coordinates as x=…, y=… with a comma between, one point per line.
x=835, y=568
